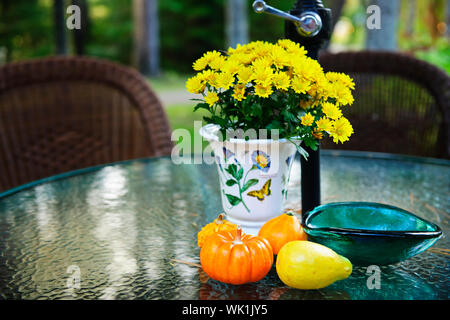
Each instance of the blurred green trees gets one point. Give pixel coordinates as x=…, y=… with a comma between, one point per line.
x=25, y=29
x=190, y=27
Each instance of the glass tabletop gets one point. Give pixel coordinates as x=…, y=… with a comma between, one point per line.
x=129, y=231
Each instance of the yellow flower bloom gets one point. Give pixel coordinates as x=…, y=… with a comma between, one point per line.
x=281, y=80
x=341, y=130
x=262, y=49
x=292, y=47
x=195, y=85
x=207, y=58
x=243, y=58
x=217, y=62
x=307, y=68
x=300, y=85
x=231, y=66
x=307, y=119
x=211, y=98
x=342, y=78
x=342, y=94
x=206, y=75
x=263, y=76
x=262, y=63
x=239, y=92
x=245, y=75
x=225, y=80
x=263, y=91
x=324, y=124
x=317, y=134
x=331, y=111
x=212, y=55
x=279, y=57
x=200, y=64
x=305, y=104
x=212, y=79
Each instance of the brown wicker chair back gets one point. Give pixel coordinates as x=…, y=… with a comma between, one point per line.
x=64, y=113
x=402, y=104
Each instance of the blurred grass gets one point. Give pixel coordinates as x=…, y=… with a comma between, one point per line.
x=168, y=81
x=440, y=56
x=182, y=116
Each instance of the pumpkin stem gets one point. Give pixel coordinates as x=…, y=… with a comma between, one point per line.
x=289, y=213
x=238, y=240
x=220, y=218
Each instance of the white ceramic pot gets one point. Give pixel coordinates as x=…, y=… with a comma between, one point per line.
x=253, y=176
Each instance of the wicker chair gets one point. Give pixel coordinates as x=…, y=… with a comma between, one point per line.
x=402, y=104
x=64, y=113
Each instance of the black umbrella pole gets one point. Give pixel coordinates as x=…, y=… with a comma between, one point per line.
x=310, y=169
x=310, y=180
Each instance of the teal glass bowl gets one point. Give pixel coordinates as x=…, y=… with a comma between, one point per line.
x=370, y=233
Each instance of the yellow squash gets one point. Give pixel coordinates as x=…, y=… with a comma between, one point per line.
x=309, y=265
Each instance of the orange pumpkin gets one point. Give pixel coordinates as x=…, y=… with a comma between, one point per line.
x=236, y=258
x=220, y=224
x=281, y=230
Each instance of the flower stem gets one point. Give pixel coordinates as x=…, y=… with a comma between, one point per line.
x=242, y=200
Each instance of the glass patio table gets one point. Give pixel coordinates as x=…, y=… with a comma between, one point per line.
x=128, y=230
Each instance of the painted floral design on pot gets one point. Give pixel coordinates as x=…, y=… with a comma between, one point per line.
x=234, y=176
x=253, y=177
x=261, y=160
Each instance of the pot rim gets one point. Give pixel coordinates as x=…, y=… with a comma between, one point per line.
x=209, y=132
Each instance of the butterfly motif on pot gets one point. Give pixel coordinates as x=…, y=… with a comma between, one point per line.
x=260, y=194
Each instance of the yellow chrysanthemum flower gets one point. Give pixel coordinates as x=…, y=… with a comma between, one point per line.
x=324, y=124
x=281, y=80
x=211, y=98
x=239, y=92
x=279, y=57
x=331, y=111
x=245, y=75
x=305, y=104
x=263, y=91
x=213, y=79
x=217, y=62
x=225, y=80
x=307, y=68
x=206, y=75
x=262, y=63
x=212, y=58
x=342, y=94
x=307, y=119
x=195, y=85
x=342, y=78
x=231, y=66
x=262, y=49
x=317, y=134
x=299, y=85
x=341, y=130
x=263, y=76
x=243, y=58
x=200, y=64
x=212, y=55
x=292, y=47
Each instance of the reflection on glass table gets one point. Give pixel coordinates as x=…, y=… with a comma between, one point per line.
x=127, y=226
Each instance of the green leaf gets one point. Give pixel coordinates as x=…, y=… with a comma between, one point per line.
x=231, y=182
x=240, y=174
x=234, y=201
x=302, y=151
x=232, y=170
x=250, y=183
x=201, y=106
